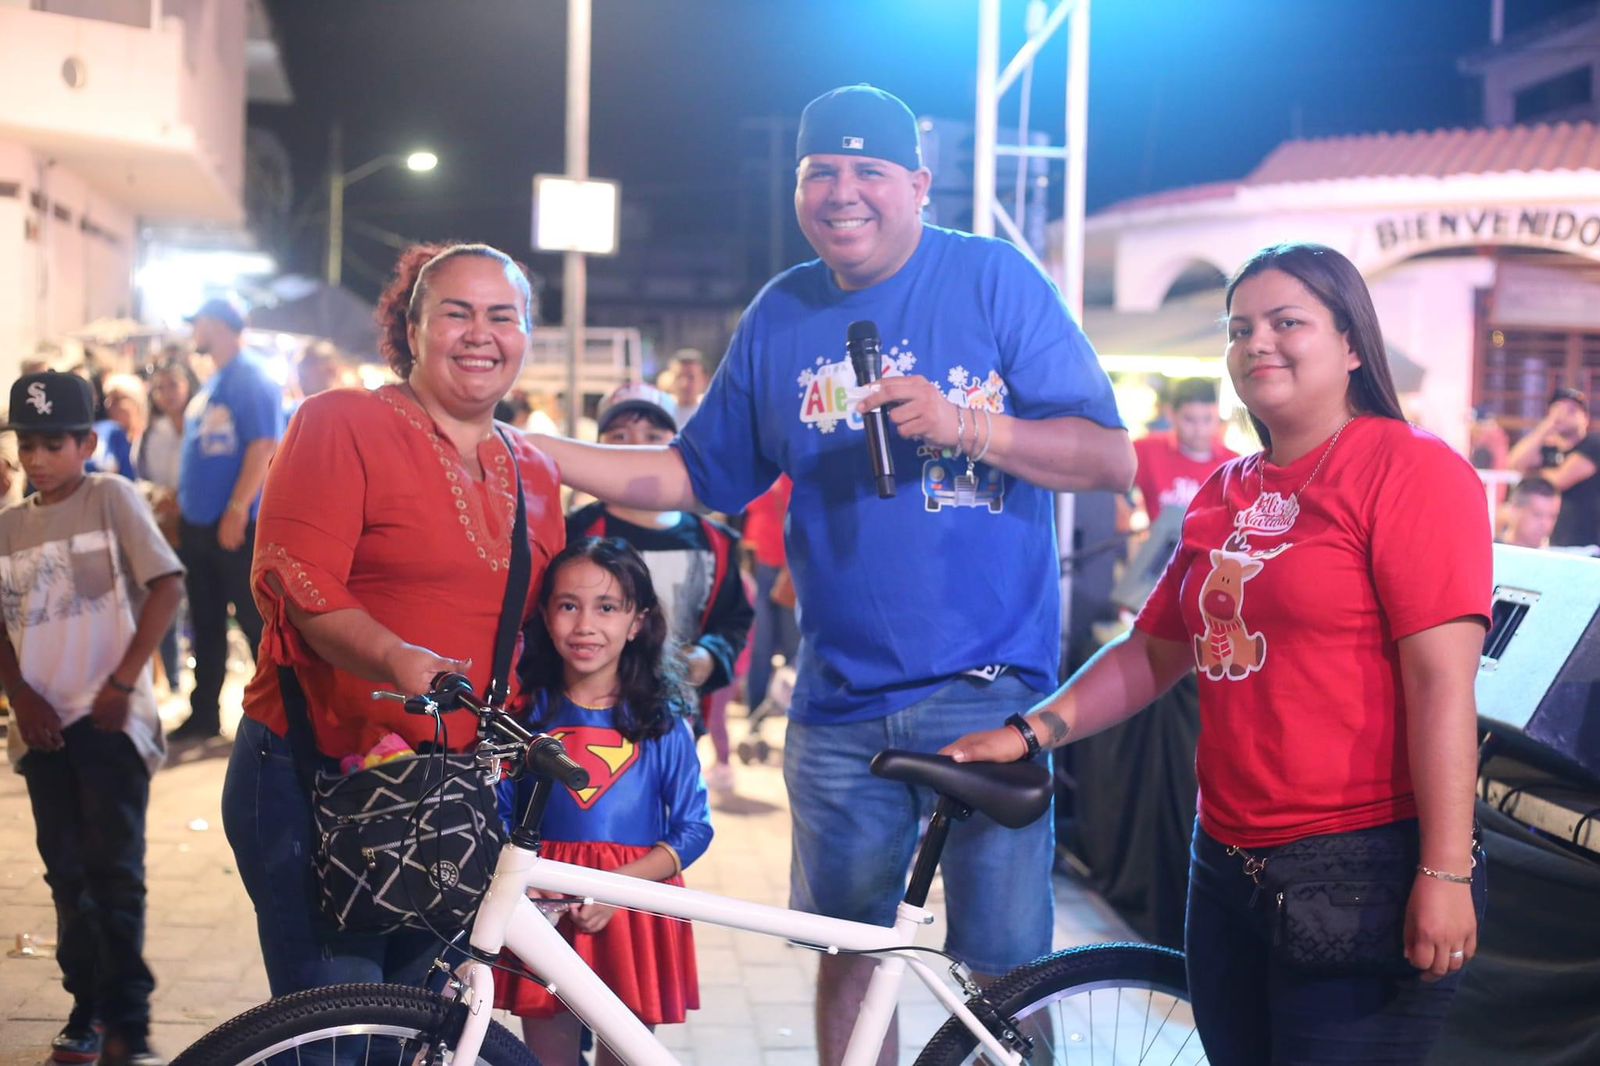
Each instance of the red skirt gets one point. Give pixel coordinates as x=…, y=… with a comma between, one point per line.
x=646, y=959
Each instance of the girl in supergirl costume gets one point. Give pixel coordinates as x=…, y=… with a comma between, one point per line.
x=599, y=678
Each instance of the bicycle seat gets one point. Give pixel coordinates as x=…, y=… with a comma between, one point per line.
x=1012, y=793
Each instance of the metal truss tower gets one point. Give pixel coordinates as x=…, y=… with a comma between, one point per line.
x=993, y=83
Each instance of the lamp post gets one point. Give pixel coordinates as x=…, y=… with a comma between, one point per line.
x=339, y=179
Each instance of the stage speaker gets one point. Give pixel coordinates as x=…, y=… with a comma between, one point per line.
x=1150, y=562
x=1538, y=683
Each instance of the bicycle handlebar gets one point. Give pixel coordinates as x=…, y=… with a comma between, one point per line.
x=543, y=754
x=548, y=756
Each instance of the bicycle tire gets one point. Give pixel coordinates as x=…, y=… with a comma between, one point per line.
x=400, y=1019
x=1060, y=991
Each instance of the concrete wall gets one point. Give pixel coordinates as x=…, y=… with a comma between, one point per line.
x=57, y=273
x=1426, y=308
x=1504, y=78
x=154, y=116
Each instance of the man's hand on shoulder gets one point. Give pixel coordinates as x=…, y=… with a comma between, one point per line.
x=37, y=721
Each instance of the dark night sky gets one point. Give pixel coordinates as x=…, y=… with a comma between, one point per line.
x=1181, y=91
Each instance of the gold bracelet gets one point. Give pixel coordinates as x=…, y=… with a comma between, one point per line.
x=1441, y=875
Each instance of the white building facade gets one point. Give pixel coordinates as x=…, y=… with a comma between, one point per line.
x=114, y=115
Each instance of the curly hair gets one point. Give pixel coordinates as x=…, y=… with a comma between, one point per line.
x=653, y=693
x=401, y=302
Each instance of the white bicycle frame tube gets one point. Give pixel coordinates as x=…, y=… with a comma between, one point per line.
x=507, y=918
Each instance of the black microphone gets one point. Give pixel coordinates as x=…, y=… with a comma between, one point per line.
x=866, y=356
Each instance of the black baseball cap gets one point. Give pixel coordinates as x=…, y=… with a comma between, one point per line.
x=1577, y=396
x=220, y=310
x=638, y=399
x=860, y=120
x=50, y=402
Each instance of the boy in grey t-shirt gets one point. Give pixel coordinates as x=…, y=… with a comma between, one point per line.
x=87, y=588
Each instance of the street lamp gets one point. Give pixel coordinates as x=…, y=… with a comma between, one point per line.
x=339, y=179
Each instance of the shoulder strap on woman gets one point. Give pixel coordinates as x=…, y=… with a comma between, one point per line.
x=516, y=596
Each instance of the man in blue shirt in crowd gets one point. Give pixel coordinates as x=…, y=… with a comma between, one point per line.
x=230, y=429
x=925, y=615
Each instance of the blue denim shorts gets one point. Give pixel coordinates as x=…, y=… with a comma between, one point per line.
x=855, y=834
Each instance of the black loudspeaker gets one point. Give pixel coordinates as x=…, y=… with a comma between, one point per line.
x=1147, y=566
x=1538, y=684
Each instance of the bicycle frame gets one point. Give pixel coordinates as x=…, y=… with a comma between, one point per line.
x=508, y=918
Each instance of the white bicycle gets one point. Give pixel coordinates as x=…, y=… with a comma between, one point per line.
x=1110, y=1003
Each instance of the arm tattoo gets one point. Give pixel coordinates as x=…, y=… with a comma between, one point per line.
x=1055, y=729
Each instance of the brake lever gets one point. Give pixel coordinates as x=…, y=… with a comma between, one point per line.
x=423, y=705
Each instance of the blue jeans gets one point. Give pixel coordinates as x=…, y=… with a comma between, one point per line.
x=854, y=834
x=1251, y=1009
x=89, y=801
x=267, y=816
x=772, y=633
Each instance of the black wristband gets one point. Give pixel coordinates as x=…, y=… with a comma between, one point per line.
x=1029, y=737
x=119, y=686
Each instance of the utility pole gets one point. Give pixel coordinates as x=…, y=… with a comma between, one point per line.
x=335, y=206
x=575, y=267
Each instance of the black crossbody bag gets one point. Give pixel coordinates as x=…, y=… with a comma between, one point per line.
x=410, y=843
x=1336, y=903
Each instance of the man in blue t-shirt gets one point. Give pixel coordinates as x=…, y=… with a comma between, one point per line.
x=929, y=612
x=230, y=430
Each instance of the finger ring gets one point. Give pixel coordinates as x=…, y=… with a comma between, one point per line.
x=1458, y=954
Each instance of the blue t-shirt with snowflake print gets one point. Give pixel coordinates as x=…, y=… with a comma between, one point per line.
x=954, y=573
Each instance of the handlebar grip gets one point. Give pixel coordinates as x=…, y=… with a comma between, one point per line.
x=448, y=688
x=547, y=756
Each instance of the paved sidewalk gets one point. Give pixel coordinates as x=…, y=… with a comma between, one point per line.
x=201, y=941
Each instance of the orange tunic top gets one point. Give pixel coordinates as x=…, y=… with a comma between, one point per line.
x=368, y=506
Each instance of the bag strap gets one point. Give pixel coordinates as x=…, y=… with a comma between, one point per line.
x=516, y=596
x=302, y=738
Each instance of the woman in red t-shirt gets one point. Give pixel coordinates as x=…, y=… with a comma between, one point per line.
x=381, y=559
x=1332, y=592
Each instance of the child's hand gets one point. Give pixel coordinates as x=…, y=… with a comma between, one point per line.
x=697, y=665
x=110, y=708
x=37, y=721
x=591, y=917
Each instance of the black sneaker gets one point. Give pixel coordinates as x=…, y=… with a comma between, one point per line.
x=194, y=732
x=77, y=1042
x=123, y=1050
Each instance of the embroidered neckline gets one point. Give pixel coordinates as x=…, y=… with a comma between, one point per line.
x=501, y=471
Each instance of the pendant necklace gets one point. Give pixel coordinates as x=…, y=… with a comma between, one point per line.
x=1273, y=514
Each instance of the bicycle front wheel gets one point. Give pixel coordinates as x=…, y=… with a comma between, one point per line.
x=1105, y=1004
x=349, y=1024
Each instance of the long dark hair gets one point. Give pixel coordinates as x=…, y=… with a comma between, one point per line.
x=652, y=692
x=1336, y=282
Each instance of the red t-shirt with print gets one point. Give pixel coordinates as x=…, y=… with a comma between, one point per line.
x=1293, y=601
x=1168, y=478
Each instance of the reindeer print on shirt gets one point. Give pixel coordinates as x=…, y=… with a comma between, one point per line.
x=1227, y=648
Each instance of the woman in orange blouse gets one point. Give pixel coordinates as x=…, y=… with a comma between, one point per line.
x=381, y=559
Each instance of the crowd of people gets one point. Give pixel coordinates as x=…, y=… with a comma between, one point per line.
x=373, y=543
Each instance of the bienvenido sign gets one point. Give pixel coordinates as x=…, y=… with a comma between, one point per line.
x=1574, y=228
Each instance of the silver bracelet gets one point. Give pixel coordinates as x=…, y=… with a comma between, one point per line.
x=988, y=434
x=1441, y=875
x=961, y=427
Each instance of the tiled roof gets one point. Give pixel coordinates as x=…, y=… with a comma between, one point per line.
x=1216, y=190
x=1435, y=154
